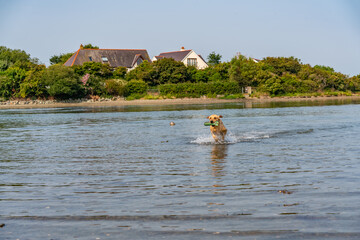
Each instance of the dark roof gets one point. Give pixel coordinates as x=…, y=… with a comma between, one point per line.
x=202, y=58
x=177, y=55
x=159, y=57
x=116, y=57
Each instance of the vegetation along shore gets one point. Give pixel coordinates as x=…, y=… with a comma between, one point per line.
x=25, y=81
x=106, y=102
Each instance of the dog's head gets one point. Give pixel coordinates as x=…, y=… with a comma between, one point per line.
x=213, y=118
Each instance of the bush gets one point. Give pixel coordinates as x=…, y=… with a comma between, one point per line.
x=200, y=76
x=95, y=85
x=120, y=72
x=135, y=96
x=60, y=59
x=152, y=97
x=281, y=65
x=6, y=89
x=95, y=69
x=10, y=82
x=65, y=88
x=34, y=85
x=168, y=70
x=115, y=87
x=135, y=87
x=62, y=82
x=143, y=72
x=9, y=57
x=199, y=89
x=243, y=70
x=233, y=96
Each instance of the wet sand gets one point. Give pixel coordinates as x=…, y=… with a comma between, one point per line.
x=180, y=101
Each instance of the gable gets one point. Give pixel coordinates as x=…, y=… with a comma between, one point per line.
x=200, y=62
x=188, y=57
x=138, y=59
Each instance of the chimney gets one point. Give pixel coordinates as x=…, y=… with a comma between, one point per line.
x=182, y=49
x=81, y=46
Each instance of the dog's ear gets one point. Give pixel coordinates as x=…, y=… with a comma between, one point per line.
x=208, y=117
x=220, y=116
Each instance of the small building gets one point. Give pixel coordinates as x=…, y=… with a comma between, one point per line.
x=188, y=57
x=248, y=90
x=129, y=58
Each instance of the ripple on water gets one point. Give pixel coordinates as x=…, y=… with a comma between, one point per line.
x=130, y=169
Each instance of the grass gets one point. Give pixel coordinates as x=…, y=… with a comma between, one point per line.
x=150, y=96
x=233, y=96
x=134, y=96
x=309, y=95
x=337, y=93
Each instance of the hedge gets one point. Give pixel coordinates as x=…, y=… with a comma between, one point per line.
x=199, y=89
x=135, y=87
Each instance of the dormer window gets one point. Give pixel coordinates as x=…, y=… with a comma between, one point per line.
x=192, y=62
x=104, y=59
x=139, y=61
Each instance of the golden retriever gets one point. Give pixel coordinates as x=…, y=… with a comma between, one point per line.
x=218, y=132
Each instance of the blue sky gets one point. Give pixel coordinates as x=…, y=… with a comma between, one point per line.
x=323, y=32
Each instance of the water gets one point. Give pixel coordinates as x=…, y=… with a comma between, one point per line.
x=286, y=171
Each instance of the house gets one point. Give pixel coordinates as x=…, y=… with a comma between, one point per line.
x=188, y=57
x=129, y=58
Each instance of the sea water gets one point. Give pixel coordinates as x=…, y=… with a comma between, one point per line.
x=284, y=171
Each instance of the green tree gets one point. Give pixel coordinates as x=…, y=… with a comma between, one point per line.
x=281, y=65
x=324, y=78
x=115, y=87
x=213, y=58
x=353, y=83
x=95, y=86
x=243, y=70
x=168, y=70
x=145, y=72
x=138, y=87
x=62, y=82
x=34, y=84
x=326, y=68
x=120, y=72
x=162, y=71
x=10, y=82
x=60, y=59
x=6, y=87
x=9, y=57
x=95, y=69
x=196, y=75
x=218, y=72
x=90, y=46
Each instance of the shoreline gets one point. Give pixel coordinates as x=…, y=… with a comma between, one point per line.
x=24, y=104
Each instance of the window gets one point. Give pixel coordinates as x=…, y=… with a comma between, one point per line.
x=90, y=58
x=139, y=61
x=192, y=62
x=104, y=59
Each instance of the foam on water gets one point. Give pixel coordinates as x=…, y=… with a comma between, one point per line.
x=231, y=138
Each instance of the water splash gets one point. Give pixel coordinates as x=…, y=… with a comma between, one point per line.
x=203, y=140
x=232, y=138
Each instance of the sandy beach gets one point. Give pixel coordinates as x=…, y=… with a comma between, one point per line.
x=23, y=104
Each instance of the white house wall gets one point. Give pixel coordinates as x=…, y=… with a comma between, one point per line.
x=200, y=63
